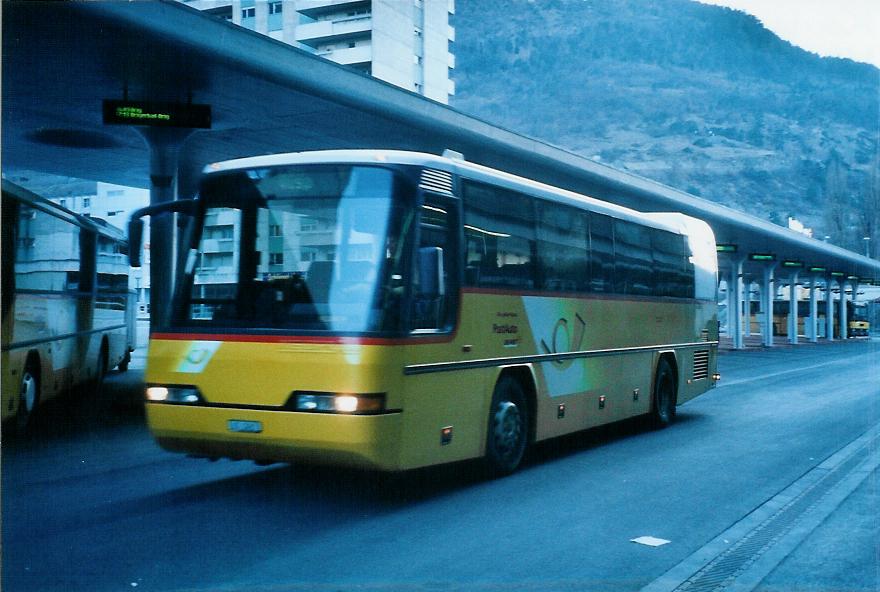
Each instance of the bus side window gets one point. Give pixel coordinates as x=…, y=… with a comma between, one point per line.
x=9, y=220
x=562, y=248
x=505, y=223
x=601, y=253
x=435, y=281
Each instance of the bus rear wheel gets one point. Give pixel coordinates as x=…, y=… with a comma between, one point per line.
x=664, y=396
x=28, y=397
x=508, y=429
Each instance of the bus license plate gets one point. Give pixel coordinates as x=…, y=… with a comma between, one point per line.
x=242, y=425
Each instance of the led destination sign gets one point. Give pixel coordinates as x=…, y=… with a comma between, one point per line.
x=762, y=257
x=157, y=114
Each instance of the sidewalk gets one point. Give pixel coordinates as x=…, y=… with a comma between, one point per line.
x=725, y=343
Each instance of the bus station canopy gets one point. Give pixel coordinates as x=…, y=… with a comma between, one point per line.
x=61, y=61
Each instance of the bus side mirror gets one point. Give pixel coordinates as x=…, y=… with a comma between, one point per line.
x=136, y=224
x=135, y=238
x=431, y=282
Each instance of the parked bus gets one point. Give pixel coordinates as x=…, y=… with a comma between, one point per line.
x=858, y=324
x=67, y=311
x=396, y=310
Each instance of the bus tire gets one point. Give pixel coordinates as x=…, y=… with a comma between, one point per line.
x=508, y=427
x=28, y=396
x=664, y=395
x=101, y=368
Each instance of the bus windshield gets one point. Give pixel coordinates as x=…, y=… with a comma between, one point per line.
x=298, y=248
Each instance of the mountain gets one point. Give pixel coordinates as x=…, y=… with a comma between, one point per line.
x=698, y=97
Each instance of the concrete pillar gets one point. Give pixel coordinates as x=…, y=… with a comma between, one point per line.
x=768, y=295
x=842, y=312
x=793, y=310
x=164, y=144
x=747, y=287
x=829, y=309
x=813, y=331
x=735, y=302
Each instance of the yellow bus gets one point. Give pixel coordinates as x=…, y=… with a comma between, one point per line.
x=68, y=316
x=395, y=310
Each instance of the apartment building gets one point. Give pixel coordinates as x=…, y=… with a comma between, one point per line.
x=408, y=43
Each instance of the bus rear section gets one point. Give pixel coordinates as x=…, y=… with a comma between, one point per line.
x=65, y=302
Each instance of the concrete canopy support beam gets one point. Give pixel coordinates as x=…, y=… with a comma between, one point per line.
x=793, y=310
x=813, y=331
x=164, y=145
x=768, y=294
x=842, y=310
x=829, y=309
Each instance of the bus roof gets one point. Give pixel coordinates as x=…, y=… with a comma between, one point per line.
x=33, y=200
x=456, y=166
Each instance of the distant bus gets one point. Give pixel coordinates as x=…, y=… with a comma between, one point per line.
x=395, y=310
x=858, y=324
x=68, y=316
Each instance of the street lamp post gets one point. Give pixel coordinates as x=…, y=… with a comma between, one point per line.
x=867, y=240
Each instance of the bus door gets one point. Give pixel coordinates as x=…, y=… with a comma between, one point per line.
x=436, y=279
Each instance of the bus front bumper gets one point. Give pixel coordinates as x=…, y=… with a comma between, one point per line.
x=366, y=441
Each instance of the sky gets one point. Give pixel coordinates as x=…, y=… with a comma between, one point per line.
x=840, y=28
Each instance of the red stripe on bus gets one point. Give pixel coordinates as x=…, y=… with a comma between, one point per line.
x=242, y=338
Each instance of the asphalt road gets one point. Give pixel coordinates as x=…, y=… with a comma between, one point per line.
x=91, y=503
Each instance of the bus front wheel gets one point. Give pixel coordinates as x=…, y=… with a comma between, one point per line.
x=507, y=435
x=664, y=396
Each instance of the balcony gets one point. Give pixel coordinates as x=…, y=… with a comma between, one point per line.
x=349, y=55
x=323, y=32
x=318, y=8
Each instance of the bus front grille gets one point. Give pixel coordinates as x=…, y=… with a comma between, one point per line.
x=701, y=364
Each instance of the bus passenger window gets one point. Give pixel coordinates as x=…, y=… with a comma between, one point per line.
x=562, y=248
x=505, y=222
x=601, y=253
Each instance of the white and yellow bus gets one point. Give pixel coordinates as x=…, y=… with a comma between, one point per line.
x=396, y=310
x=68, y=315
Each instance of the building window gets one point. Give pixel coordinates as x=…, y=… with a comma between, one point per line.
x=248, y=12
x=276, y=258
x=274, y=230
x=351, y=44
x=63, y=203
x=276, y=8
x=87, y=202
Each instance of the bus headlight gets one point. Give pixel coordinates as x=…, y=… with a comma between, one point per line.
x=339, y=403
x=173, y=394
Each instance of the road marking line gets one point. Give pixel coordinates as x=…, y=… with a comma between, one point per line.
x=790, y=371
x=650, y=541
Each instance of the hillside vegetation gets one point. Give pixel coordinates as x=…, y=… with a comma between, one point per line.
x=699, y=97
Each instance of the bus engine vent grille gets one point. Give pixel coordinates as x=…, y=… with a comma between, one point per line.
x=701, y=364
x=704, y=335
x=439, y=181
